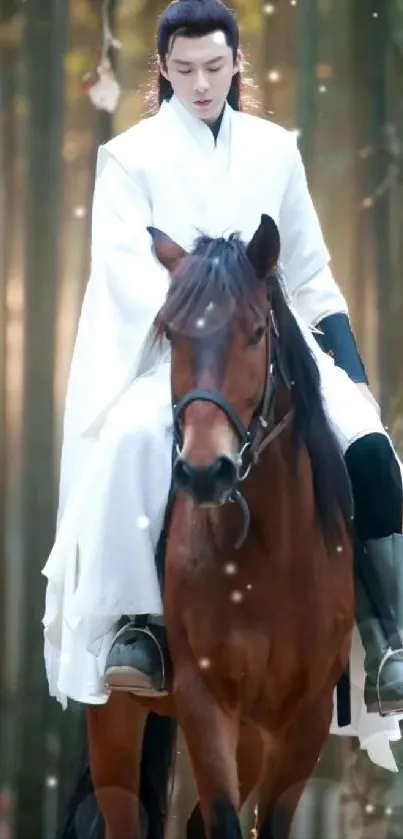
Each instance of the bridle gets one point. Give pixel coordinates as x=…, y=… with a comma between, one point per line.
x=262, y=430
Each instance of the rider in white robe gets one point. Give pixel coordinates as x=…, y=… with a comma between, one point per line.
x=185, y=173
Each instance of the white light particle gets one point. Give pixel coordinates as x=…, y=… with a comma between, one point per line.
x=269, y=9
x=339, y=549
x=220, y=38
x=230, y=568
x=388, y=811
x=249, y=587
x=143, y=522
x=200, y=323
x=204, y=663
x=274, y=76
x=369, y=808
x=52, y=782
x=236, y=597
x=374, y=14
x=293, y=2
x=79, y=212
x=322, y=88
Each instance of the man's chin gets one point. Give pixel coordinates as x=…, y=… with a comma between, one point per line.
x=211, y=114
x=208, y=115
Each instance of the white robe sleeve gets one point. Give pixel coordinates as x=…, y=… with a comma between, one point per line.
x=304, y=255
x=121, y=249
x=126, y=289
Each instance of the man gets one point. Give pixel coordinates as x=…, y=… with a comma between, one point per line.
x=198, y=164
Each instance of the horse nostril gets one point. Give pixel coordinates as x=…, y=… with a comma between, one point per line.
x=182, y=474
x=206, y=484
x=224, y=471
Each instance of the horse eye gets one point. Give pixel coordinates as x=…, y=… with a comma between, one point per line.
x=257, y=336
x=168, y=333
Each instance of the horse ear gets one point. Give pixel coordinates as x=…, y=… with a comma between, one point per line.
x=168, y=252
x=264, y=248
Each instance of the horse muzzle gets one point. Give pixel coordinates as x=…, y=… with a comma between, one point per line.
x=207, y=485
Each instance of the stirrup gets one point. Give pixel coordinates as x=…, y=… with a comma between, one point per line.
x=124, y=674
x=383, y=709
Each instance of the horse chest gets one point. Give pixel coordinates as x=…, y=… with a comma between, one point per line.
x=225, y=632
x=233, y=652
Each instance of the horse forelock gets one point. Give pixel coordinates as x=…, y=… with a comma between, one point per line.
x=212, y=283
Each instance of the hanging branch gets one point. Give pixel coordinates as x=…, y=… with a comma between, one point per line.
x=101, y=85
x=392, y=150
x=108, y=39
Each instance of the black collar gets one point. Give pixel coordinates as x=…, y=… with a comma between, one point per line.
x=215, y=127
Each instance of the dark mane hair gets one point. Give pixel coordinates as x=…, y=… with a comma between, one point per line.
x=219, y=269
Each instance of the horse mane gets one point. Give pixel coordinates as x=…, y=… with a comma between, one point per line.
x=311, y=427
x=219, y=271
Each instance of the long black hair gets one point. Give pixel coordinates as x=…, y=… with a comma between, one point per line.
x=194, y=19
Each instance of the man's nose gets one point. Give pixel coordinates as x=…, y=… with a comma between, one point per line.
x=202, y=84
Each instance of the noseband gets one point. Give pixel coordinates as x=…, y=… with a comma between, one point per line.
x=262, y=429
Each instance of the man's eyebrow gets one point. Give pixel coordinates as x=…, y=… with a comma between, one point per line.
x=183, y=63
x=214, y=60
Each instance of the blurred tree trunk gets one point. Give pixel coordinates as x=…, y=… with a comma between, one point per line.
x=10, y=332
x=375, y=69
x=7, y=145
x=371, y=35
x=8, y=59
x=85, y=129
x=307, y=83
x=363, y=266
x=45, y=25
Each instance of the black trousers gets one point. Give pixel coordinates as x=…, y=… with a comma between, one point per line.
x=376, y=486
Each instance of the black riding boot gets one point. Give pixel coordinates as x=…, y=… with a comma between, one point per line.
x=378, y=499
x=138, y=660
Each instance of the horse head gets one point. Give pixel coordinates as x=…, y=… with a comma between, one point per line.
x=217, y=317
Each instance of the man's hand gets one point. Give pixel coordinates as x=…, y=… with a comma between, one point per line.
x=368, y=395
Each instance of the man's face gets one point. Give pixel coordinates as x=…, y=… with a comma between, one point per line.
x=200, y=71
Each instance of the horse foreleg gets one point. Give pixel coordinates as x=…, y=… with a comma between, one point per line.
x=212, y=738
x=290, y=765
x=115, y=732
x=250, y=760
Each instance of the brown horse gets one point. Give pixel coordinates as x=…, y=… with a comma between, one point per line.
x=258, y=591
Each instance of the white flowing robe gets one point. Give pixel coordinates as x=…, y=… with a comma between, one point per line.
x=167, y=171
